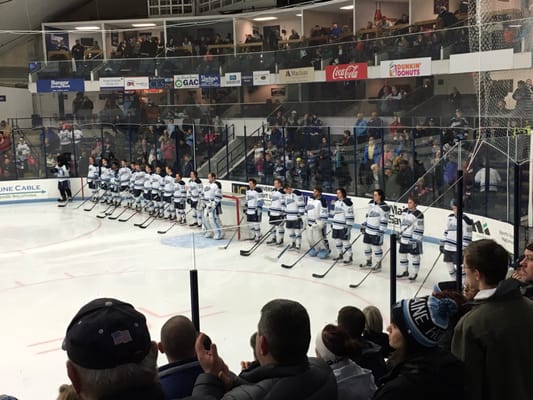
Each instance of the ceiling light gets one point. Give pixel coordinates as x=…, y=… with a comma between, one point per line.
x=299, y=15
x=347, y=7
x=258, y=19
x=87, y=28
x=143, y=25
x=515, y=25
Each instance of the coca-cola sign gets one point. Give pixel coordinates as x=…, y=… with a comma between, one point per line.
x=346, y=72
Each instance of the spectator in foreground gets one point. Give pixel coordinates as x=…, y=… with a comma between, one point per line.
x=66, y=392
x=110, y=353
x=420, y=370
x=494, y=338
x=177, y=378
x=524, y=272
x=285, y=372
x=334, y=346
x=374, y=329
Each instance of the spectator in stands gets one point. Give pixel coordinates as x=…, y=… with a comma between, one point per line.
x=395, y=127
x=334, y=346
x=347, y=138
x=405, y=177
x=291, y=129
x=522, y=96
x=23, y=152
x=404, y=19
x=177, y=378
x=493, y=339
x=374, y=329
x=446, y=19
x=294, y=35
x=335, y=31
x=494, y=180
x=360, y=128
x=372, y=356
x=371, y=155
x=285, y=371
x=5, y=143
x=455, y=99
x=110, y=353
x=375, y=126
x=268, y=168
x=420, y=369
x=66, y=392
x=458, y=123
x=524, y=271
x=49, y=140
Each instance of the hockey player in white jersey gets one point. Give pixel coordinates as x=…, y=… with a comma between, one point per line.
x=213, y=208
x=254, y=208
x=294, y=209
x=411, y=235
x=316, y=211
x=92, y=178
x=105, y=179
x=157, y=187
x=147, y=203
x=194, y=198
x=180, y=197
x=276, y=214
x=168, y=194
x=114, y=183
x=138, y=176
x=124, y=174
x=374, y=229
x=342, y=219
x=63, y=179
x=448, y=245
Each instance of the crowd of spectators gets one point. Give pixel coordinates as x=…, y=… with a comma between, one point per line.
x=442, y=346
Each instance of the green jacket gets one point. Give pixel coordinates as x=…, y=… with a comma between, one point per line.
x=495, y=341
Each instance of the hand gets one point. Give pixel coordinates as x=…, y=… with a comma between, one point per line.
x=441, y=248
x=362, y=229
x=209, y=359
x=519, y=275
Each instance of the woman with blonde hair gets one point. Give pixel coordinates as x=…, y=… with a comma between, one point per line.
x=374, y=329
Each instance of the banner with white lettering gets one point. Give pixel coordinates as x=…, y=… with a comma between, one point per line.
x=406, y=68
x=346, y=72
x=60, y=85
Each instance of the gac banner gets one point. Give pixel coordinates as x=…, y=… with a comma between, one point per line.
x=346, y=72
x=187, y=81
x=406, y=68
x=60, y=85
x=297, y=75
x=136, y=83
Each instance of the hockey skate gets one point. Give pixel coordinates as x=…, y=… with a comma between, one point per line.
x=404, y=274
x=348, y=260
x=367, y=265
x=377, y=267
x=323, y=254
x=280, y=243
x=413, y=277
x=272, y=242
x=312, y=253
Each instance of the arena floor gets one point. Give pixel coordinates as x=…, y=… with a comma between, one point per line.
x=54, y=260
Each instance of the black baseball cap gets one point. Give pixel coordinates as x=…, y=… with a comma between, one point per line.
x=106, y=333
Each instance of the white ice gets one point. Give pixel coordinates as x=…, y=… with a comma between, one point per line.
x=53, y=260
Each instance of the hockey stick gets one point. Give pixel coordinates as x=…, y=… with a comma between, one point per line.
x=91, y=207
x=104, y=213
x=154, y=217
x=130, y=217
x=337, y=260
x=428, y=274
x=304, y=254
x=111, y=217
x=246, y=253
x=374, y=268
x=233, y=235
x=169, y=228
x=79, y=191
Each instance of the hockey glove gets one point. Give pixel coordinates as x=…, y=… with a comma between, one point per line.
x=362, y=229
x=441, y=248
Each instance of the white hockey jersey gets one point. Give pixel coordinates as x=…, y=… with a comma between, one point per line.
x=195, y=190
x=157, y=184
x=124, y=174
x=293, y=205
x=450, y=234
x=342, y=214
x=92, y=174
x=147, y=187
x=180, y=192
x=316, y=211
x=213, y=194
x=412, y=226
x=139, y=177
x=169, y=185
x=62, y=173
x=105, y=174
x=254, y=200
x=277, y=201
x=377, y=218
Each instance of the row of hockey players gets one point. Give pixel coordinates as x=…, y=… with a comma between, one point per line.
x=161, y=195
x=289, y=211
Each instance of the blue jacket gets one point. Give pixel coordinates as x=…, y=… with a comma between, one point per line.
x=177, y=379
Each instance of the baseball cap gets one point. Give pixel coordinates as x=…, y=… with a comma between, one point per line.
x=106, y=333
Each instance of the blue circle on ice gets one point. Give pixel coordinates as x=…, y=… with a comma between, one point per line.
x=186, y=241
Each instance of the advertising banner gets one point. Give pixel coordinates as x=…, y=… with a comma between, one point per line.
x=346, y=72
x=111, y=83
x=232, y=79
x=136, y=83
x=190, y=81
x=60, y=85
x=209, y=80
x=261, y=78
x=297, y=75
x=410, y=67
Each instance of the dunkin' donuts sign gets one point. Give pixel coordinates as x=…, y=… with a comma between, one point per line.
x=346, y=72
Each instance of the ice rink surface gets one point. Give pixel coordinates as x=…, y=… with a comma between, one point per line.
x=53, y=260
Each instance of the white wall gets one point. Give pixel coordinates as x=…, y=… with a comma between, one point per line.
x=463, y=82
x=18, y=104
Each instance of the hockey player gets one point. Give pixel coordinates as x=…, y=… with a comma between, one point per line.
x=168, y=194
x=63, y=179
x=212, y=207
x=194, y=198
x=114, y=184
x=147, y=203
x=294, y=209
x=448, y=245
x=374, y=228
x=138, y=176
x=124, y=174
x=180, y=196
x=276, y=214
x=92, y=178
x=342, y=220
x=157, y=186
x=412, y=231
x=105, y=178
x=254, y=208
x=316, y=211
